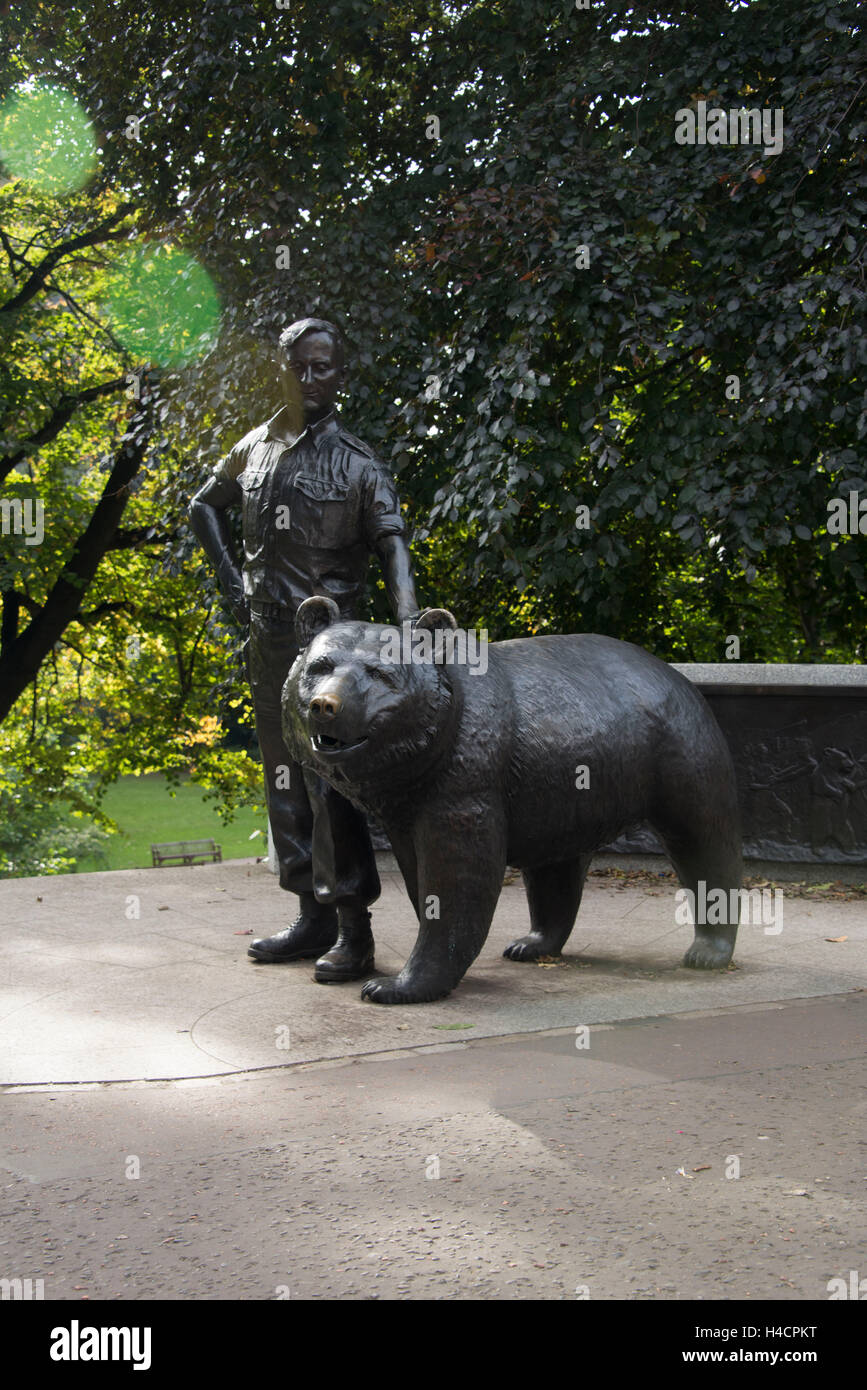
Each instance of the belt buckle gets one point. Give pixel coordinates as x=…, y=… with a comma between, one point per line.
x=272, y=610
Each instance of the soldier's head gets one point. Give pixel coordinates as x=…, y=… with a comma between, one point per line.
x=311, y=366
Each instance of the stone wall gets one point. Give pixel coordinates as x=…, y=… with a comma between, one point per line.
x=798, y=735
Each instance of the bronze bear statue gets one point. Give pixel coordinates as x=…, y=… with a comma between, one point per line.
x=551, y=752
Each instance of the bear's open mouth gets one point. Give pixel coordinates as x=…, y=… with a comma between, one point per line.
x=327, y=746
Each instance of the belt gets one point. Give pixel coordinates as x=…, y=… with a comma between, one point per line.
x=272, y=610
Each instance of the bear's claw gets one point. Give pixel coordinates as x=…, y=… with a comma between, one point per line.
x=708, y=955
x=386, y=989
x=528, y=948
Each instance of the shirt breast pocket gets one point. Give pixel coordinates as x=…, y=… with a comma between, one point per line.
x=253, y=477
x=252, y=481
x=324, y=513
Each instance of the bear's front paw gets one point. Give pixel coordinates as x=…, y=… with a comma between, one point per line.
x=386, y=989
x=530, y=947
x=708, y=954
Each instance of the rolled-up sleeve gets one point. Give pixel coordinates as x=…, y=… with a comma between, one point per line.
x=223, y=484
x=382, y=514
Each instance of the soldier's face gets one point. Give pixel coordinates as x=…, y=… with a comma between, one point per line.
x=310, y=370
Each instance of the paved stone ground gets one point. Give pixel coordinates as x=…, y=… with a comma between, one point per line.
x=91, y=994
x=313, y=1168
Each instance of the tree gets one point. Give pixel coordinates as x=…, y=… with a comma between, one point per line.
x=58, y=367
x=107, y=665
x=694, y=377
x=552, y=304
x=432, y=172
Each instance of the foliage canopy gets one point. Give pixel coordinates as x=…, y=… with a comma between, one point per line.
x=620, y=378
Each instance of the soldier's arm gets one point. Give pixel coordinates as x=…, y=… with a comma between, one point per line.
x=386, y=536
x=394, y=556
x=210, y=523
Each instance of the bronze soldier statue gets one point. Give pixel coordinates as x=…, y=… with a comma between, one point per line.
x=315, y=503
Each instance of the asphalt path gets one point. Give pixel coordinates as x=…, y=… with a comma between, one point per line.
x=698, y=1142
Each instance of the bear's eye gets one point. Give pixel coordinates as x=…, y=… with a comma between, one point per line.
x=321, y=667
x=384, y=674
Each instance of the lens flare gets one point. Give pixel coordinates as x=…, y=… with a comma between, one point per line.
x=162, y=305
x=47, y=140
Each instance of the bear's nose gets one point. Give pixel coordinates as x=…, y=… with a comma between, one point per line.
x=325, y=706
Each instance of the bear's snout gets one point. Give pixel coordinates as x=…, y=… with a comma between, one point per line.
x=325, y=706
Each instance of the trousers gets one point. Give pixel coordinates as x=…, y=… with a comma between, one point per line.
x=321, y=840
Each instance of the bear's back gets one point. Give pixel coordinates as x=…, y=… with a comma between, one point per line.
x=573, y=697
x=600, y=672
x=595, y=727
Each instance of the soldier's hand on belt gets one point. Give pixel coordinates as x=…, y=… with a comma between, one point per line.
x=232, y=586
x=241, y=612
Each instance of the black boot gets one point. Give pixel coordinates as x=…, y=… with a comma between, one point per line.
x=312, y=932
x=352, y=955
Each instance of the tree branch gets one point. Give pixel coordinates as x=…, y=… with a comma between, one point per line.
x=94, y=614
x=128, y=537
x=11, y=254
x=82, y=312
x=33, y=284
x=9, y=619
x=57, y=420
x=20, y=663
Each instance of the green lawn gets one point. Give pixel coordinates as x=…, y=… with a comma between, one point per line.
x=147, y=813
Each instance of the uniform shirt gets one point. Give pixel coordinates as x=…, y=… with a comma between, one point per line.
x=313, y=508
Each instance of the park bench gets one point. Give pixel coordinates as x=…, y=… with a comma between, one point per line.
x=186, y=852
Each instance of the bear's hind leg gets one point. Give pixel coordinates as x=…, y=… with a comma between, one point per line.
x=554, y=896
x=712, y=874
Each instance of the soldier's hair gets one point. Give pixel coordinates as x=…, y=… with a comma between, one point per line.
x=301, y=327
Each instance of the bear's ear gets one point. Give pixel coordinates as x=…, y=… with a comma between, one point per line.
x=434, y=618
x=314, y=616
